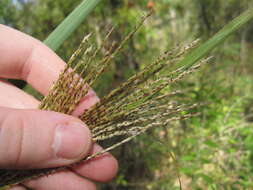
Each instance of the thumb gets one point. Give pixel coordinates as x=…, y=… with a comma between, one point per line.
x=41, y=139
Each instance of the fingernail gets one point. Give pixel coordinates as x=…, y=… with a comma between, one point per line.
x=86, y=102
x=92, y=95
x=71, y=141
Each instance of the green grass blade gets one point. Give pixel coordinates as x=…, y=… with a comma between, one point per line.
x=201, y=51
x=74, y=19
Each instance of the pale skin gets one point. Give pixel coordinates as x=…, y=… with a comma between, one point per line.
x=31, y=138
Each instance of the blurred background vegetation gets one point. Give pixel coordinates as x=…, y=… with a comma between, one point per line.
x=214, y=150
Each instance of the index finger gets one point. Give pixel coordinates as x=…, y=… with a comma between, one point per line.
x=24, y=57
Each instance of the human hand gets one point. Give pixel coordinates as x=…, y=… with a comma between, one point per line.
x=31, y=138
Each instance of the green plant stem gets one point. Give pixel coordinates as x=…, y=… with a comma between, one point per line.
x=201, y=51
x=70, y=23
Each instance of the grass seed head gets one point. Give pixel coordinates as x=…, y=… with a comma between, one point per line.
x=131, y=109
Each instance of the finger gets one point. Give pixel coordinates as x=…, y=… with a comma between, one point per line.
x=86, y=102
x=105, y=166
x=12, y=97
x=64, y=180
x=17, y=188
x=41, y=139
x=23, y=57
x=101, y=168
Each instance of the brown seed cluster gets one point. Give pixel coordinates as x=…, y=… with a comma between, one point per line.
x=135, y=106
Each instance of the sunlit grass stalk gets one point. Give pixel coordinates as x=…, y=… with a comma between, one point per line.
x=218, y=38
x=70, y=23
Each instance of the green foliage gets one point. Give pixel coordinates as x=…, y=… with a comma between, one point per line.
x=3, y=10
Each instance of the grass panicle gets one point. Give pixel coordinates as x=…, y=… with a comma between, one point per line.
x=128, y=111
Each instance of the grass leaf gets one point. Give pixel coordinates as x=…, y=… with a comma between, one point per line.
x=65, y=29
x=201, y=51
